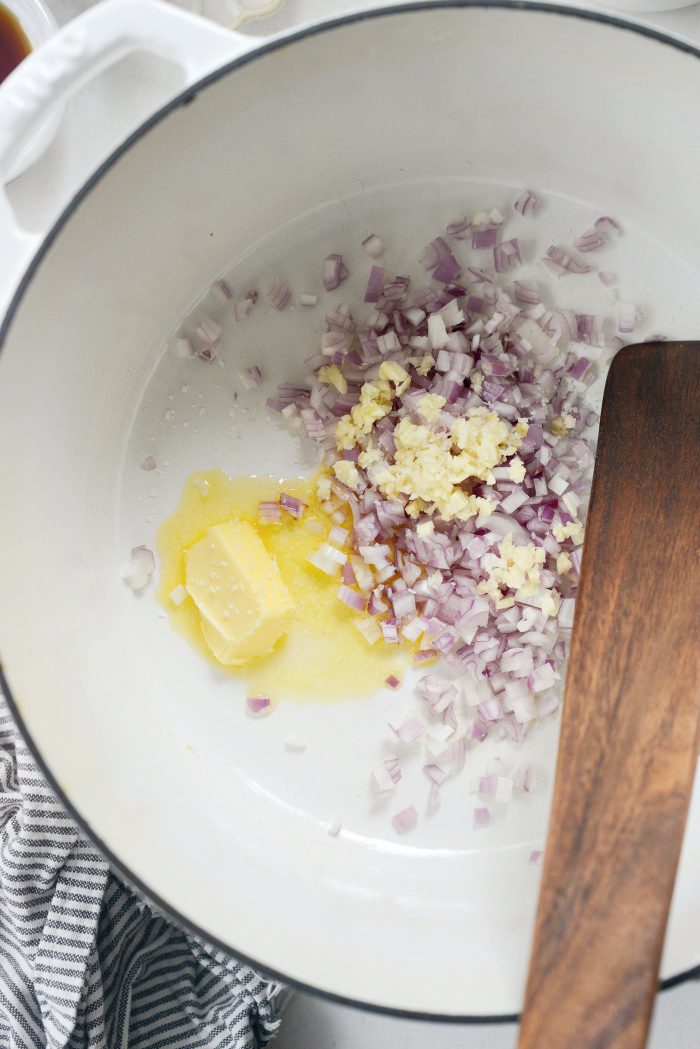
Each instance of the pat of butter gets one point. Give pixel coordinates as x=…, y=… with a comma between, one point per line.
x=243, y=602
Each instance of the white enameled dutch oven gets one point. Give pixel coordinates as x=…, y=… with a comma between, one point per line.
x=274, y=154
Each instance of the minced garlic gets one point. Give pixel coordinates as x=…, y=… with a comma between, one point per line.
x=370, y=456
x=550, y=602
x=485, y=441
x=561, y=424
x=346, y=472
x=517, y=568
x=429, y=465
x=573, y=531
x=426, y=470
x=394, y=373
x=564, y=563
x=332, y=376
x=375, y=402
x=517, y=470
x=430, y=406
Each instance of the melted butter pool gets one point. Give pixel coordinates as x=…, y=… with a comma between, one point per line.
x=323, y=656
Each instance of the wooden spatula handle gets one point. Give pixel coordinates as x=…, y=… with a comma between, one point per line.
x=629, y=736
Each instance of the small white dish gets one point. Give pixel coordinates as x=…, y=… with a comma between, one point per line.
x=39, y=25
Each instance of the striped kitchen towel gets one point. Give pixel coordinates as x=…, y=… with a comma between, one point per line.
x=84, y=962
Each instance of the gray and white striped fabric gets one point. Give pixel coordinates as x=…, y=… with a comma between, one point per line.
x=85, y=963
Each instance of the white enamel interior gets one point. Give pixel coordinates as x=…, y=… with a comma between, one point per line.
x=392, y=124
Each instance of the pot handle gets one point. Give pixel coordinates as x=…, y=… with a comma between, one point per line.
x=76, y=54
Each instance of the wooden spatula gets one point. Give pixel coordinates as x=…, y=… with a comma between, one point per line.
x=629, y=735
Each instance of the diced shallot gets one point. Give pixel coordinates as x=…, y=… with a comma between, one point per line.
x=258, y=705
x=482, y=817
x=139, y=568
x=526, y=203
x=405, y=819
x=333, y=272
x=373, y=246
x=251, y=378
x=178, y=595
x=294, y=507
x=269, y=513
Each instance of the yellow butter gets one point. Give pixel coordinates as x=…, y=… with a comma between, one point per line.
x=243, y=602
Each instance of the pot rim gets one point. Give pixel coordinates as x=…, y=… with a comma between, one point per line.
x=184, y=98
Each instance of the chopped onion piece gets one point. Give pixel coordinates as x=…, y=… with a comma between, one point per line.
x=209, y=330
x=389, y=633
x=526, y=203
x=482, y=817
x=319, y=559
x=433, y=796
x=526, y=292
x=333, y=272
x=338, y=536
x=208, y=352
x=590, y=240
x=250, y=378
x=524, y=778
x=178, y=595
x=352, y=598
x=626, y=317
x=243, y=308
x=506, y=255
x=278, y=293
x=335, y=826
x=294, y=507
x=455, y=754
x=258, y=706
x=269, y=513
x=405, y=819
x=435, y=773
x=459, y=228
x=369, y=628
x=410, y=731
x=295, y=744
x=394, y=767
x=385, y=776
x=222, y=290
x=566, y=612
x=331, y=553
x=139, y=568
x=437, y=332
x=413, y=629
x=373, y=246
x=560, y=262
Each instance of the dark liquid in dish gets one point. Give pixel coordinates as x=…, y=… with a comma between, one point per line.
x=14, y=45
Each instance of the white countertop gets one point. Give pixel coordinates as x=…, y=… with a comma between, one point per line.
x=96, y=120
